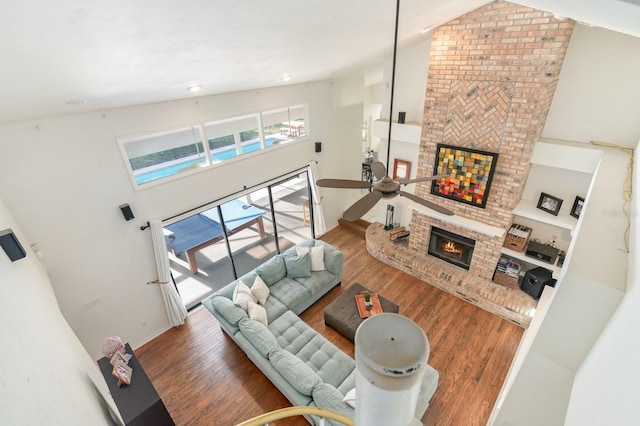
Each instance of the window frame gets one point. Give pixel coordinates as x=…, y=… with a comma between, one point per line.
x=201, y=127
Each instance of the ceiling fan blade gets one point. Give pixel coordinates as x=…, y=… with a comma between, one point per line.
x=423, y=179
x=379, y=170
x=362, y=206
x=342, y=183
x=429, y=204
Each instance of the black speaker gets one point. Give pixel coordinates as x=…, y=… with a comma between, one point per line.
x=535, y=280
x=401, y=116
x=126, y=212
x=318, y=146
x=11, y=245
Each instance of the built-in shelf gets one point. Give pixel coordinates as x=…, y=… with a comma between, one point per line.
x=405, y=132
x=532, y=260
x=529, y=209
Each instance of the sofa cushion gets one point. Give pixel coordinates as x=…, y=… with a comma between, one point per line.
x=297, y=266
x=228, y=310
x=259, y=336
x=294, y=371
x=330, y=363
x=294, y=335
x=317, y=280
x=274, y=308
x=273, y=270
x=289, y=291
x=316, y=256
x=258, y=313
x=327, y=396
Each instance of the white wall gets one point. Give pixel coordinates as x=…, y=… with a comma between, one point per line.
x=47, y=376
x=605, y=389
x=64, y=178
x=582, y=365
x=412, y=64
x=598, y=95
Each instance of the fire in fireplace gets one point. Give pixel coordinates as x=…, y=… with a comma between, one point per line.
x=450, y=247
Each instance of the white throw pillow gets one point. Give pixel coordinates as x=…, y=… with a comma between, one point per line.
x=242, y=296
x=316, y=255
x=257, y=313
x=260, y=290
x=350, y=398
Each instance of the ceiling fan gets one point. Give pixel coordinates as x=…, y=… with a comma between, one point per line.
x=385, y=186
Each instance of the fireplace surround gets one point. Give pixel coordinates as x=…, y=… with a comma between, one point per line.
x=491, y=79
x=451, y=247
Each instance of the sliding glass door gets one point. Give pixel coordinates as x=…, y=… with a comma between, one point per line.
x=230, y=239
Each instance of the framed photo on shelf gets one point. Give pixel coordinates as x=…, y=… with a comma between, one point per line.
x=470, y=174
x=578, y=204
x=401, y=169
x=122, y=372
x=549, y=203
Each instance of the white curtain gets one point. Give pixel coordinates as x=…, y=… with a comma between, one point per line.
x=318, y=214
x=172, y=301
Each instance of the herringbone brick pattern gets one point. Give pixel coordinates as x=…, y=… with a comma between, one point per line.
x=477, y=113
x=492, y=75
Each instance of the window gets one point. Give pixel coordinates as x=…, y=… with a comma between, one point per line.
x=160, y=156
x=232, y=137
x=285, y=124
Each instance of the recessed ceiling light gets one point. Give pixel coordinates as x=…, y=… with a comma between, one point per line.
x=195, y=88
x=76, y=102
x=425, y=30
x=286, y=77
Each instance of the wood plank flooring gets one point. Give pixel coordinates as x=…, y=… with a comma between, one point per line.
x=205, y=379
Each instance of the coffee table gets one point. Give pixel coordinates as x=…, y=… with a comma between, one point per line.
x=342, y=313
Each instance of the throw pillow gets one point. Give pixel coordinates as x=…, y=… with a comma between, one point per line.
x=273, y=270
x=295, y=371
x=242, y=295
x=327, y=396
x=229, y=311
x=297, y=266
x=350, y=398
x=316, y=255
x=260, y=290
x=258, y=313
x=259, y=336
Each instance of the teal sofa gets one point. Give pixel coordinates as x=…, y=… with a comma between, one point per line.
x=300, y=362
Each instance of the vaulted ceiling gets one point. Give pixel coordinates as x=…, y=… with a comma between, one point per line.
x=72, y=56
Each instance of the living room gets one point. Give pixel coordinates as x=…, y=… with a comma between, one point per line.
x=66, y=200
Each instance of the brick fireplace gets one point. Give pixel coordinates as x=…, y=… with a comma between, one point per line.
x=492, y=75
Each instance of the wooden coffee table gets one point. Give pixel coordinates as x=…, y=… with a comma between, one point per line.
x=342, y=314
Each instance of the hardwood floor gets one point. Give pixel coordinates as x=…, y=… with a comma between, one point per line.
x=205, y=379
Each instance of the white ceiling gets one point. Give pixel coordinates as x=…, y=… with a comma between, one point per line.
x=128, y=52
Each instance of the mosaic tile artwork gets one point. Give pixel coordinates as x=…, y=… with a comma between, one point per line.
x=470, y=173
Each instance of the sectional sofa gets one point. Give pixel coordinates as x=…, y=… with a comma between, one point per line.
x=300, y=362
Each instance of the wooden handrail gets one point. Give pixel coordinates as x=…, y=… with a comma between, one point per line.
x=284, y=413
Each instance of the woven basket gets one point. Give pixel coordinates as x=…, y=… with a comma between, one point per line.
x=517, y=238
x=505, y=280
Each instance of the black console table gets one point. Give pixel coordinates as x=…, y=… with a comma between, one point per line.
x=138, y=403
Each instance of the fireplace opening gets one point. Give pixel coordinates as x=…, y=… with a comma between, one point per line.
x=450, y=247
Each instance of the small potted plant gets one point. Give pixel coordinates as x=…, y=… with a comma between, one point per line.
x=367, y=301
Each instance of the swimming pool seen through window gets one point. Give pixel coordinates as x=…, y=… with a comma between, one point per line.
x=152, y=158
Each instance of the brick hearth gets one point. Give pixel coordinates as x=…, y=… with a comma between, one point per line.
x=492, y=75
x=509, y=303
